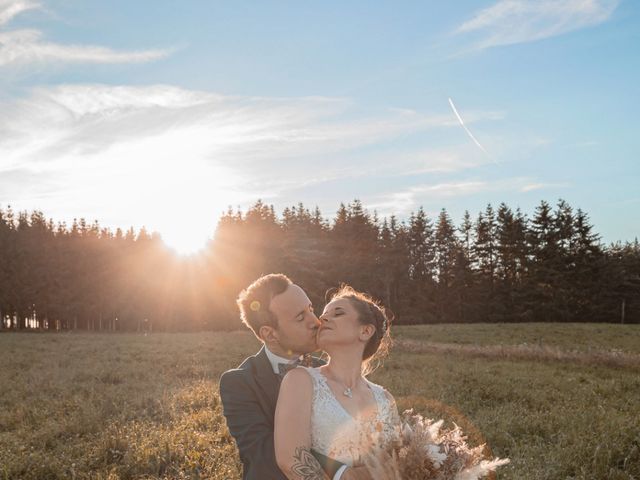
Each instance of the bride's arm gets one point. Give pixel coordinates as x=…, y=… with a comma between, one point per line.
x=292, y=429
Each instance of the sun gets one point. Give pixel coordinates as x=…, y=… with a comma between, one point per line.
x=173, y=188
x=185, y=221
x=185, y=242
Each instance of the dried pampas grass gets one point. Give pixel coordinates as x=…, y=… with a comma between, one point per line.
x=423, y=450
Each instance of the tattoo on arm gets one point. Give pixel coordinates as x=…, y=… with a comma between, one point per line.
x=305, y=466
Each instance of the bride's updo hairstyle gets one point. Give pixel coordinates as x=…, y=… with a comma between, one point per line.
x=370, y=312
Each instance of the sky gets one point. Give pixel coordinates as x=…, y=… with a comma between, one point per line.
x=162, y=114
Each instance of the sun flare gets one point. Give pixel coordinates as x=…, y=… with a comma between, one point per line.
x=182, y=201
x=185, y=242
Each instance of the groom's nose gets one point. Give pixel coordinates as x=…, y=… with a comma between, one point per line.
x=316, y=322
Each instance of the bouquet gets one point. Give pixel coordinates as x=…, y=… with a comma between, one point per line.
x=422, y=450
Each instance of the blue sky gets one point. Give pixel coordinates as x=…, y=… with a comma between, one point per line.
x=159, y=113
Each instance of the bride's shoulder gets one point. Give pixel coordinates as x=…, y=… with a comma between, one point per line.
x=311, y=371
x=381, y=390
x=299, y=377
x=389, y=396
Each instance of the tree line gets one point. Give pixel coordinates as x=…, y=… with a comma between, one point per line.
x=499, y=266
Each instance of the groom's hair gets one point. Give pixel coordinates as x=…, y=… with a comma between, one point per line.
x=254, y=301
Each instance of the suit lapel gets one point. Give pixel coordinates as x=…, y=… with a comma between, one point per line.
x=268, y=381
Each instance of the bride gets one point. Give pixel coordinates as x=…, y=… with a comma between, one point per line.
x=334, y=409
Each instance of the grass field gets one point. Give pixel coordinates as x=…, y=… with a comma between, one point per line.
x=561, y=400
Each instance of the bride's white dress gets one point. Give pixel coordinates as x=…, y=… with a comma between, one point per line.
x=337, y=434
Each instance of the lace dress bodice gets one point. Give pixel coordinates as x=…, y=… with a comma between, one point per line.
x=337, y=434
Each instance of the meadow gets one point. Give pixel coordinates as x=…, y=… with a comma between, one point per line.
x=560, y=400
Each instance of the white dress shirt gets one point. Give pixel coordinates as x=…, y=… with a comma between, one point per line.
x=276, y=360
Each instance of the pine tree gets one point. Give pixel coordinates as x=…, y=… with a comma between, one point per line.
x=544, y=274
x=466, y=232
x=504, y=267
x=393, y=262
x=6, y=247
x=420, y=247
x=445, y=251
x=362, y=235
x=587, y=271
x=485, y=257
x=318, y=223
x=484, y=249
x=465, y=285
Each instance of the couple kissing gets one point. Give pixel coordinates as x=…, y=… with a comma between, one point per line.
x=296, y=416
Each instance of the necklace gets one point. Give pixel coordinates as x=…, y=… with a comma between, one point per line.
x=347, y=392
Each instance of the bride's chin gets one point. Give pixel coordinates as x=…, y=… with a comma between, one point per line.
x=329, y=340
x=323, y=341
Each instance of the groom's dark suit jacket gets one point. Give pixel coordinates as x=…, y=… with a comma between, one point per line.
x=249, y=394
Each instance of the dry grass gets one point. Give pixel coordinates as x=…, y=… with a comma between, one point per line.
x=133, y=406
x=115, y=406
x=540, y=353
x=583, y=337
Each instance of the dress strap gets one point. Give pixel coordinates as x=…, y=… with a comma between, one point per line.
x=316, y=376
x=384, y=405
x=378, y=391
x=311, y=371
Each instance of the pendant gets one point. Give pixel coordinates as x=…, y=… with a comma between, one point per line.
x=348, y=393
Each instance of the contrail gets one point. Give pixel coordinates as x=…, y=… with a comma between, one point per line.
x=455, y=110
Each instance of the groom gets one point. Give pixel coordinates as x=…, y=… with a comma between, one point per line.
x=281, y=315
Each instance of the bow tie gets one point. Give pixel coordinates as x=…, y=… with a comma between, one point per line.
x=283, y=368
x=304, y=360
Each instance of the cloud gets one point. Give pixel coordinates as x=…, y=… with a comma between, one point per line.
x=21, y=47
x=27, y=46
x=539, y=186
x=402, y=202
x=11, y=8
x=585, y=144
x=509, y=22
x=68, y=119
x=154, y=152
x=406, y=200
x=433, y=160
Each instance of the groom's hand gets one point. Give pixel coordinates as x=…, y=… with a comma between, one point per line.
x=356, y=473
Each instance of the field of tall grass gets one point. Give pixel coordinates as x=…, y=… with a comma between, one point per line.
x=560, y=400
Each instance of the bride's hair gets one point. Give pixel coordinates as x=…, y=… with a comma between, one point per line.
x=370, y=312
